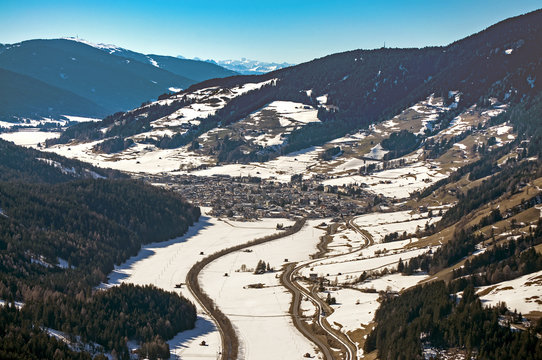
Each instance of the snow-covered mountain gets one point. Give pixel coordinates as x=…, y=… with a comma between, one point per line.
x=246, y=66
x=251, y=67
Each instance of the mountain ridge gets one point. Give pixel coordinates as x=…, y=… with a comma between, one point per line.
x=17, y=89
x=110, y=81
x=348, y=91
x=195, y=69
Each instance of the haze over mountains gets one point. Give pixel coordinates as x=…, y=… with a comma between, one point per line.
x=245, y=66
x=250, y=67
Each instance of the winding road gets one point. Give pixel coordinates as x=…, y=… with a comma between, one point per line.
x=288, y=278
x=230, y=342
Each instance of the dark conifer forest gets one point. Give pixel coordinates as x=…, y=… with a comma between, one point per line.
x=49, y=215
x=428, y=316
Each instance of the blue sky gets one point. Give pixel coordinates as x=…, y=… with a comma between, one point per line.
x=291, y=31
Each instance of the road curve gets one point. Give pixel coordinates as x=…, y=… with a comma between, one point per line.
x=286, y=279
x=351, y=349
x=298, y=291
x=230, y=342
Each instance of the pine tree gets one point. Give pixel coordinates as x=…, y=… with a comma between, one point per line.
x=400, y=266
x=260, y=268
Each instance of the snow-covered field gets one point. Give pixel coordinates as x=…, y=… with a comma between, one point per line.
x=80, y=118
x=291, y=113
x=166, y=264
x=139, y=158
x=347, y=270
x=394, y=282
x=346, y=165
x=269, y=125
x=356, y=305
x=354, y=310
x=261, y=316
x=348, y=258
x=29, y=138
x=377, y=152
x=280, y=169
x=523, y=294
x=345, y=240
x=399, y=182
x=35, y=123
x=204, y=103
x=381, y=224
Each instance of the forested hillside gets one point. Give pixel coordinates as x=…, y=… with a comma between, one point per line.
x=427, y=316
x=51, y=78
x=26, y=97
x=60, y=237
x=349, y=90
x=112, y=82
x=493, y=201
x=29, y=165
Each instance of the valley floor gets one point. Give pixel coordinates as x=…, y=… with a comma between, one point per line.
x=258, y=305
x=166, y=265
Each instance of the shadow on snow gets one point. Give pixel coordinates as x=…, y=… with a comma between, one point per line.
x=122, y=271
x=203, y=327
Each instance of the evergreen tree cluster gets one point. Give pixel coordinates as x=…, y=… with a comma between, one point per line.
x=262, y=267
x=328, y=154
x=20, y=339
x=506, y=261
x=507, y=180
x=113, y=145
x=92, y=224
x=29, y=165
x=430, y=316
x=114, y=316
x=399, y=144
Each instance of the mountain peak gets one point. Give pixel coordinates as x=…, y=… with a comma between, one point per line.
x=245, y=66
x=111, y=48
x=251, y=67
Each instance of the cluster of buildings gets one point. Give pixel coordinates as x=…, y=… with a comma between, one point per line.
x=252, y=197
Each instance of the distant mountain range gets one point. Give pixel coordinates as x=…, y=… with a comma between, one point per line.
x=195, y=69
x=84, y=79
x=246, y=66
